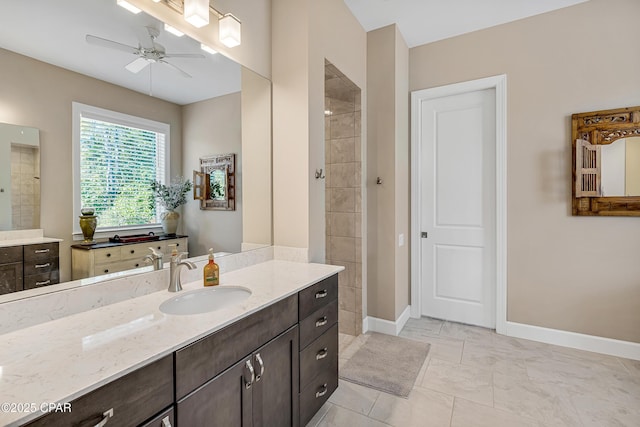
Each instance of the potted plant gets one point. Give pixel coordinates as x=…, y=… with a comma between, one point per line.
x=170, y=197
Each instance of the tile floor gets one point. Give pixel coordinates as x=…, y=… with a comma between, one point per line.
x=474, y=377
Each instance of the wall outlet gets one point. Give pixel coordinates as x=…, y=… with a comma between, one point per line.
x=401, y=240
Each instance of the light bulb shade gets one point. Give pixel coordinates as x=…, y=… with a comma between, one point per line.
x=196, y=12
x=230, y=30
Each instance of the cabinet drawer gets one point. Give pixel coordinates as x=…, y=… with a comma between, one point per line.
x=41, y=252
x=314, y=395
x=318, y=295
x=159, y=421
x=44, y=279
x=134, y=398
x=40, y=267
x=128, y=252
x=204, y=359
x=113, y=267
x=103, y=256
x=10, y=254
x=319, y=356
x=318, y=323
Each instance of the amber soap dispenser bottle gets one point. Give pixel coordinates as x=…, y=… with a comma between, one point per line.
x=211, y=272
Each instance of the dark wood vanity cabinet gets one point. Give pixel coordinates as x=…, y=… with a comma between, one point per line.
x=28, y=266
x=127, y=401
x=318, y=346
x=254, y=372
x=10, y=269
x=259, y=390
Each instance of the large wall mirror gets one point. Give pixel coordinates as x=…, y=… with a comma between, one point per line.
x=606, y=162
x=212, y=104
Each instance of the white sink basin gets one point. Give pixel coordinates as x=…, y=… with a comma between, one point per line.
x=205, y=300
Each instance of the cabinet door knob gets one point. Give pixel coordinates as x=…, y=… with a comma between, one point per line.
x=252, y=374
x=322, y=294
x=259, y=359
x=105, y=418
x=133, y=251
x=166, y=422
x=322, y=353
x=108, y=255
x=322, y=391
x=321, y=322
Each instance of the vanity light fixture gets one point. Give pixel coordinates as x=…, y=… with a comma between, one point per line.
x=229, y=30
x=131, y=8
x=208, y=49
x=196, y=12
x=173, y=30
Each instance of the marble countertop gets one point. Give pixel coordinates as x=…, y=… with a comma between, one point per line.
x=28, y=241
x=60, y=360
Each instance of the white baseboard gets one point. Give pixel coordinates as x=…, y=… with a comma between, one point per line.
x=626, y=349
x=383, y=326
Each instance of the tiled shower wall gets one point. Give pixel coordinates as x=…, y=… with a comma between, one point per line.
x=25, y=187
x=344, y=193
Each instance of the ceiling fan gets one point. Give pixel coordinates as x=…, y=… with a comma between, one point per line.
x=147, y=52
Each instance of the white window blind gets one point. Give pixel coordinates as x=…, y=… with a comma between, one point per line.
x=117, y=161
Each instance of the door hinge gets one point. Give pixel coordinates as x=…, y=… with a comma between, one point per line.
x=423, y=234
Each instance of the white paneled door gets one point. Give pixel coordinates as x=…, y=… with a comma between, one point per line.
x=457, y=210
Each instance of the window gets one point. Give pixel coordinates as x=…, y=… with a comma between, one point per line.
x=115, y=159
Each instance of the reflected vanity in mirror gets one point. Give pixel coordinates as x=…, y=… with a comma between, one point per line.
x=214, y=185
x=19, y=177
x=606, y=162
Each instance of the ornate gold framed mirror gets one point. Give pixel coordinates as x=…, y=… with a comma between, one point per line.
x=215, y=184
x=606, y=162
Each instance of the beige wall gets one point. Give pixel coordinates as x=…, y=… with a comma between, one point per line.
x=571, y=273
x=304, y=34
x=256, y=159
x=388, y=157
x=40, y=95
x=212, y=127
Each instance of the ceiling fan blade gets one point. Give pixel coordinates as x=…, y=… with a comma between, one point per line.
x=179, y=70
x=137, y=65
x=184, y=55
x=99, y=41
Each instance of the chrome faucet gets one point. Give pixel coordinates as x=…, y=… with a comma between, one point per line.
x=174, y=271
x=155, y=258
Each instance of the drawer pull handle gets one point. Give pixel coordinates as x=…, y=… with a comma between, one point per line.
x=322, y=353
x=261, y=363
x=43, y=265
x=322, y=392
x=46, y=282
x=41, y=251
x=106, y=270
x=249, y=366
x=166, y=422
x=108, y=255
x=106, y=417
x=133, y=251
x=322, y=294
x=321, y=322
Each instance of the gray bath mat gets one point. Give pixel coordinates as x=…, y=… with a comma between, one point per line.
x=386, y=363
